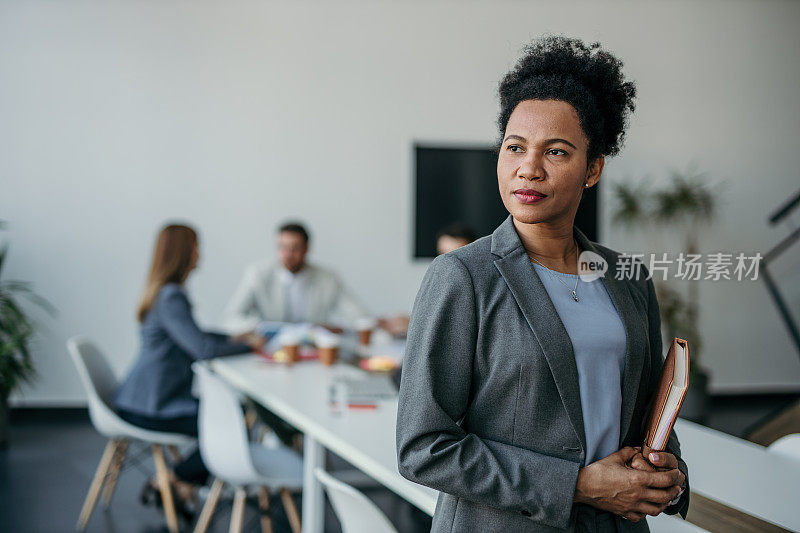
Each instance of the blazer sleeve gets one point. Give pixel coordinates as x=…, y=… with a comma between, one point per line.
x=673, y=445
x=432, y=447
x=176, y=317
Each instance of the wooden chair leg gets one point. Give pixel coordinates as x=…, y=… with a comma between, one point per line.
x=162, y=475
x=263, y=505
x=97, y=484
x=113, y=475
x=250, y=417
x=175, y=453
x=237, y=515
x=209, y=507
x=291, y=511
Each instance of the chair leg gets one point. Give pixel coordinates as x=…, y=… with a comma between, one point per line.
x=97, y=484
x=237, y=515
x=209, y=507
x=162, y=475
x=250, y=417
x=175, y=453
x=263, y=505
x=291, y=511
x=113, y=474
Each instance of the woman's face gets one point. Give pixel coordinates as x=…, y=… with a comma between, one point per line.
x=542, y=166
x=195, y=257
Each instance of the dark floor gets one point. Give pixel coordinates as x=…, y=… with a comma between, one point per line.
x=52, y=456
x=49, y=463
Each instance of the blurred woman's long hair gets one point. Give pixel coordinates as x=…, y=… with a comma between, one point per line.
x=172, y=262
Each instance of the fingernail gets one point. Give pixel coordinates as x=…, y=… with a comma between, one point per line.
x=654, y=457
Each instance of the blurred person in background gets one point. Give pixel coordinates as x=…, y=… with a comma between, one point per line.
x=156, y=394
x=454, y=237
x=291, y=289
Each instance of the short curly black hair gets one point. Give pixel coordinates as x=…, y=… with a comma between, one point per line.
x=585, y=76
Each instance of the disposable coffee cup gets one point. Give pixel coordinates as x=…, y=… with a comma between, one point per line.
x=328, y=348
x=364, y=327
x=290, y=344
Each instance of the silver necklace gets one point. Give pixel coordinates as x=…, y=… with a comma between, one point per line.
x=573, y=291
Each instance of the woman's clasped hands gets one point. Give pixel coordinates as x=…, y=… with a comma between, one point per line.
x=627, y=484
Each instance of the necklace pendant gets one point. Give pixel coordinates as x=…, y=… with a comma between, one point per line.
x=574, y=296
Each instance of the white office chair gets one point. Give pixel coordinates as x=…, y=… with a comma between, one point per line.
x=787, y=446
x=356, y=512
x=100, y=384
x=233, y=459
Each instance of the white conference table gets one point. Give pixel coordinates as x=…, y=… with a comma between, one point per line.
x=726, y=469
x=740, y=474
x=300, y=395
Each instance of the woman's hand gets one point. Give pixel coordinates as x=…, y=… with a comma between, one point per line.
x=658, y=462
x=614, y=485
x=251, y=338
x=396, y=325
x=330, y=327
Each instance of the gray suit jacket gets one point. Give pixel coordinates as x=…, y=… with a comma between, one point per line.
x=490, y=411
x=160, y=383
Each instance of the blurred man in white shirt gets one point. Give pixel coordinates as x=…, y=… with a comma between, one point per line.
x=291, y=289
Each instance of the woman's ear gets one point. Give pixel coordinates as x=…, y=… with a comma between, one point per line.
x=594, y=171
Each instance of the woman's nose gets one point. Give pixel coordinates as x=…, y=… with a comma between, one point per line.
x=531, y=168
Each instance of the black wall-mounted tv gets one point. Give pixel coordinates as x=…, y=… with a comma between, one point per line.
x=459, y=185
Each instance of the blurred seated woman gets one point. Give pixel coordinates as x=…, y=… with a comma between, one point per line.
x=156, y=394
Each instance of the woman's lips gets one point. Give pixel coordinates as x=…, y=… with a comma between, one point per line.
x=529, y=196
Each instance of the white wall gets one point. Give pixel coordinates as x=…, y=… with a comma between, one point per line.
x=119, y=115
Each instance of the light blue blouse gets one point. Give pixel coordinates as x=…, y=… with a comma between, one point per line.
x=598, y=340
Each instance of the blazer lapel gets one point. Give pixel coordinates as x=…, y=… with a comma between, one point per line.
x=636, y=345
x=542, y=317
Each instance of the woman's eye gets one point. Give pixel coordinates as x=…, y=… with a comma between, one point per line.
x=558, y=151
x=514, y=148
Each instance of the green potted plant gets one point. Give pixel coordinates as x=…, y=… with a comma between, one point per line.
x=684, y=205
x=16, y=332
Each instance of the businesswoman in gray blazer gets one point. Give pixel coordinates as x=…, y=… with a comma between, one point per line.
x=525, y=387
x=157, y=392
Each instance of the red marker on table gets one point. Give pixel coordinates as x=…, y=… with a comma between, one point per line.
x=362, y=406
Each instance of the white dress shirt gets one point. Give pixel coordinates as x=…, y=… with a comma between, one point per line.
x=268, y=292
x=294, y=290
